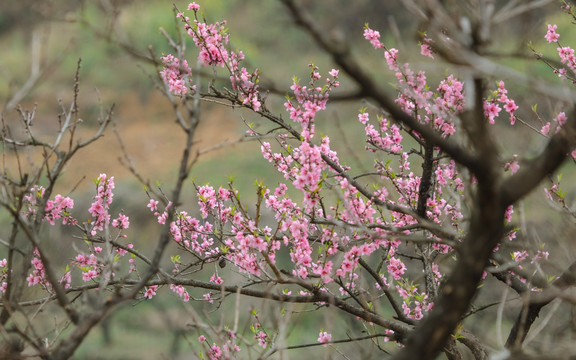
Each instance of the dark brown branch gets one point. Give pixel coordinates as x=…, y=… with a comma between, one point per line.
x=378, y=279
x=66, y=348
x=60, y=295
x=531, y=310
x=486, y=229
x=534, y=171
x=425, y=223
x=425, y=190
x=343, y=341
x=189, y=127
x=369, y=88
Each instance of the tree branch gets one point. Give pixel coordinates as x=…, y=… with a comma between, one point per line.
x=536, y=169
x=369, y=88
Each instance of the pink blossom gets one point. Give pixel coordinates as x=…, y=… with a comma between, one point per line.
x=101, y=204
x=193, y=6
x=391, y=58
x=215, y=352
x=508, y=214
x=448, y=129
x=374, y=38
x=540, y=255
x=324, y=337
x=122, y=222
x=426, y=49
x=502, y=92
x=346, y=267
x=38, y=275
x=181, y=291
x=510, y=107
x=551, y=35
x=567, y=56
x=545, y=129
x=33, y=279
x=262, y=338
x=175, y=74
x=123, y=252
x=491, y=110
x=66, y=280
x=150, y=291
x=208, y=297
x=216, y=279
x=162, y=218
x=396, y=267
x=519, y=256
x=152, y=205
x=89, y=275
x=58, y=209
x=513, y=165
x=561, y=118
